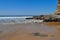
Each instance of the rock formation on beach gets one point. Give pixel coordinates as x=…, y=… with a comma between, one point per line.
x=49, y=18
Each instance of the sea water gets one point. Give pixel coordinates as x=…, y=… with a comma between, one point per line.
x=13, y=19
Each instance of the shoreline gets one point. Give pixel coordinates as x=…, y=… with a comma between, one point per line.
x=52, y=23
x=24, y=31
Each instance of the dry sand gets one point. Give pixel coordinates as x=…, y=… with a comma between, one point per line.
x=24, y=32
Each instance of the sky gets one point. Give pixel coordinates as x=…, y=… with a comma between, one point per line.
x=27, y=7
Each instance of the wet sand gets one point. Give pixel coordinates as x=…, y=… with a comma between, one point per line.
x=53, y=23
x=24, y=31
x=57, y=26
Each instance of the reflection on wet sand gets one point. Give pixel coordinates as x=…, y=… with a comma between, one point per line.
x=27, y=31
x=57, y=26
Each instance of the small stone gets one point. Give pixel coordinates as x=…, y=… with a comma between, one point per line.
x=43, y=35
x=1, y=31
x=36, y=34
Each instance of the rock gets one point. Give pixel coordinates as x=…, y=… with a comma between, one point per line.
x=39, y=34
x=1, y=31
x=36, y=34
x=43, y=35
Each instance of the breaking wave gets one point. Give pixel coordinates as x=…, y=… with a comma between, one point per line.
x=7, y=20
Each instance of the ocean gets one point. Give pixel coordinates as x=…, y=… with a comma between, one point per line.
x=13, y=19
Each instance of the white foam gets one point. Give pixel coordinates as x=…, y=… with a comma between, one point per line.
x=13, y=20
x=16, y=17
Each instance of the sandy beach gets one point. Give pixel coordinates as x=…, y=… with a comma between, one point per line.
x=57, y=26
x=24, y=31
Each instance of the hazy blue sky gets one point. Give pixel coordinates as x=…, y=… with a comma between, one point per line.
x=27, y=7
